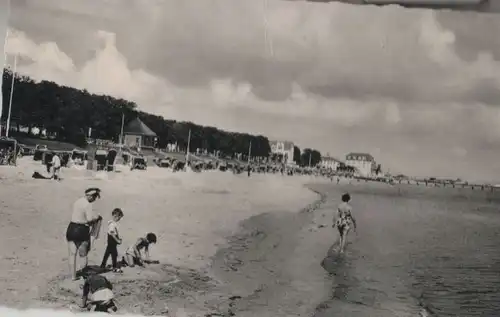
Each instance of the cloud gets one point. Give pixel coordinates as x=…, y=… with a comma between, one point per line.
x=318, y=46
x=400, y=87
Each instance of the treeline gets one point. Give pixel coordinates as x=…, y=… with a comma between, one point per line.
x=68, y=113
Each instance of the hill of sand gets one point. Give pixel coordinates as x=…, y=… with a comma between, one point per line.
x=192, y=214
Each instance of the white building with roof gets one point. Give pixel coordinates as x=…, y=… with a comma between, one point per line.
x=284, y=149
x=329, y=162
x=364, y=163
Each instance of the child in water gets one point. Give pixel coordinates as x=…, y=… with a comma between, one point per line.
x=344, y=220
x=133, y=254
x=113, y=241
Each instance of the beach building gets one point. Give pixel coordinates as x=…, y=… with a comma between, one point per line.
x=364, y=163
x=284, y=149
x=137, y=134
x=329, y=162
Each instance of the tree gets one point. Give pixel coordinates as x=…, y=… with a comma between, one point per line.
x=296, y=155
x=310, y=156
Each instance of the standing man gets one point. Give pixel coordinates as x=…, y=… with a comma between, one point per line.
x=78, y=234
x=56, y=166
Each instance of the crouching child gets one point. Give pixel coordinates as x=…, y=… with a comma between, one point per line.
x=98, y=294
x=133, y=254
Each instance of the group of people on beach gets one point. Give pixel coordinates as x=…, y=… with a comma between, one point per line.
x=84, y=227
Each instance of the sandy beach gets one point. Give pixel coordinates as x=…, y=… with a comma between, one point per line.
x=207, y=259
x=230, y=245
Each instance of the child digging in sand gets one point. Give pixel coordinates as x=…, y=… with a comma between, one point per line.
x=344, y=220
x=98, y=294
x=113, y=241
x=133, y=254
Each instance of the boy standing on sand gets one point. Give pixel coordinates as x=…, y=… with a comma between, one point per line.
x=344, y=220
x=113, y=241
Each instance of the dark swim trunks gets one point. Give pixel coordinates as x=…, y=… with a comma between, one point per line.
x=78, y=233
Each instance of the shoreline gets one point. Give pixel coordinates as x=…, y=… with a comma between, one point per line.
x=260, y=263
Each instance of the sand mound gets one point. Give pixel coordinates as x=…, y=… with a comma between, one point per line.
x=144, y=291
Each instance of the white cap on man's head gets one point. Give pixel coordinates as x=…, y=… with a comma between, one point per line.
x=93, y=192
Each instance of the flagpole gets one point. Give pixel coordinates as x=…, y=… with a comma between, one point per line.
x=309, y=159
x=121, y=130
x=5, y=59
x=11, y=95
x=249, y=152
x=189, y=144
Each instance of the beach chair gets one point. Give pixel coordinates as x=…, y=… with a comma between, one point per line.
x=139, y=163
x=79, y=156
x=110, y=160
x=47, y=159
x=100, y=159
x=65, y=157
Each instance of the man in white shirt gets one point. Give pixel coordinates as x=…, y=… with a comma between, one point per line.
x=56, y=166
x=79, y=229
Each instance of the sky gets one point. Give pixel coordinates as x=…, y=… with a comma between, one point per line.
x=417, y=89
x=4, y=14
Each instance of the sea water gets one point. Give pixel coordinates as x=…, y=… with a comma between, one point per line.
x=420, y=252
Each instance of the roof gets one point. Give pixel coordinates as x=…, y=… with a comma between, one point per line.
x=288, y=146
x=365, y=156
x=329, y=158
x=137, y=127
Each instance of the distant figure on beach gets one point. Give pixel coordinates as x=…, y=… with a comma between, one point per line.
x=55, y=166
x=344, y=220
x=113, y=241
x=98, y=294
x=83, y=221
x=133, y=254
